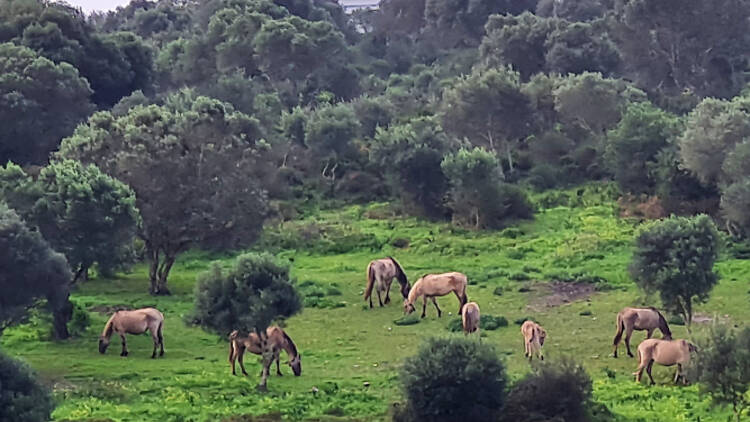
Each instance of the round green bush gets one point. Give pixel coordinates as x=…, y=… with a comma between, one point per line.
x=22, y=399
x=498, y=291
x=454, y=379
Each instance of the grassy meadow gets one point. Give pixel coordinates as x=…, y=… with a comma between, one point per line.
x=567, y=269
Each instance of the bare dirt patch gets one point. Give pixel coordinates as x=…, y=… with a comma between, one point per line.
x=558, y=293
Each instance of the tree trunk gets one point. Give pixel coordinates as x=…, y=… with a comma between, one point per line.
x=153, y=270
x=62, y=314
x=510, y=158
x=163, y=272
x=267, y=360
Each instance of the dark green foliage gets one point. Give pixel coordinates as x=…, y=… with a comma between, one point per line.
x=675, y=257
x=498, y=291
x=521, y=320
x=585, y=313
x=87, y=215
x=411, y=154
x=633, y=146
x=452, y=378
x=581, y=47
x=410, y=319
x=255, y=292
x=675, y=320
x=559, y=391
x=400, y=242
x=477, y=198
x=723, y=367
x=40, y=103
x=79, y=321
x=22, y=398
x=519, y=277
x=29, y=270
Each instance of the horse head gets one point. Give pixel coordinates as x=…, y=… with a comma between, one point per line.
x=408, y=307
x=296, y=365
x=103, y=344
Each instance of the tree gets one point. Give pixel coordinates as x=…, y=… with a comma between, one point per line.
x=735, y=202
x=22, y=398
x=671, y=46
x=40, y=103
x=675, y=257
x=453, y=378
x=574, y=11
x=255, y=292
x=711, y=132
x=329, y=133
x=196, y=166
x=723, y=367
x=87, y=215
x=634, y=144
x=581, y=47
x=29, y=271
x=518, y=41
x=410, y=155
x=564, y=388
x=491, y=110
x=477, y=197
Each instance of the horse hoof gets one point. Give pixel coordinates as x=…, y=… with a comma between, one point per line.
x=153, y=356
x=124, y=354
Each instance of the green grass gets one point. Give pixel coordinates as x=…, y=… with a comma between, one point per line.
x=346, y=345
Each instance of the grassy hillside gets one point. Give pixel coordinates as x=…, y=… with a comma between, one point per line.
x=566, y=269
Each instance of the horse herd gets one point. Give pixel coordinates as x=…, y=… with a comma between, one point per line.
x=380, y=275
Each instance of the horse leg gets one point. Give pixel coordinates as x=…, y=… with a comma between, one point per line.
x=628, y=334
x=240, y=355
x=648, y=371
x=155, y=338
x=388, y=292
x=424, y=306
x=379, y=299
x=677, y=374
x=124, y=345
x=434, y=301
x=161, y=340
x=232, y=358
x=461, y=300
x=649, y=332
x=277, y=356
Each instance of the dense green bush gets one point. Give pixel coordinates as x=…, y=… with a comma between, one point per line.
x=22, y=399
x=557, y=391
x=454, y=378
x=486, y=322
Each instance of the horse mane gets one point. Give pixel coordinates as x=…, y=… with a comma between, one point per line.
x=107, y=332
x=663, y=326
x=401, y=275
x=291, y=344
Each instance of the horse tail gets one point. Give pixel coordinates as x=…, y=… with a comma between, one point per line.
x=620, y=329
x=401, y=275
x=159, y=333
x=370, y=281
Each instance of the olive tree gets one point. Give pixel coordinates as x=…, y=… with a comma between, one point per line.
x=195, y=166
x=256, y=291
x=29, y=272
x=675, y=257
x=86, y=215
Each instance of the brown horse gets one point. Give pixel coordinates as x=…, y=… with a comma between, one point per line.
x=380, y=274
x=663, y=352
x=648, y=319
x=134, y=322
x=278, y=340
x=470, y=318
x=433, y=285
x=533, y=339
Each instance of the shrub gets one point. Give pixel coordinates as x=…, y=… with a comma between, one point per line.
x=454, y=378
x=80, y=321
x=400, y=243
x=676, y=320
x=486, y=322
x=519, y=277
x=498, y=291
x=22, y=399
x=530, y=269
x=410, y=319
x=521, y=320
x=585, y=313
x=564, y=388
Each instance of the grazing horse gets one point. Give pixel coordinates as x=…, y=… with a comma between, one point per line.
x=278, y=340
x=663, y=352
x=430, y=286
x=380, y=274
x=648, y=319
x=134, y=322
x=470, y=319
x=533, y=339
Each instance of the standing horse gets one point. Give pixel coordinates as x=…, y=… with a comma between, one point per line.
x=663, y=352
x=134, y=322
x=533, y=339
x=648, y=319
x=278, y=339
x=380, y=274
x=470, y=319
x=433, y=285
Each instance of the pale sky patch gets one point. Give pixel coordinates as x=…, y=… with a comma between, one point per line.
x=89, y=6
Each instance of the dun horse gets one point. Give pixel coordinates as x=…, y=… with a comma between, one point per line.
x=433, y=285
x=470, y=318
x=278, y=340
x=648, y=319
x=380, y=274
x=663, y=352
x=134, y=322
x=533, y=339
